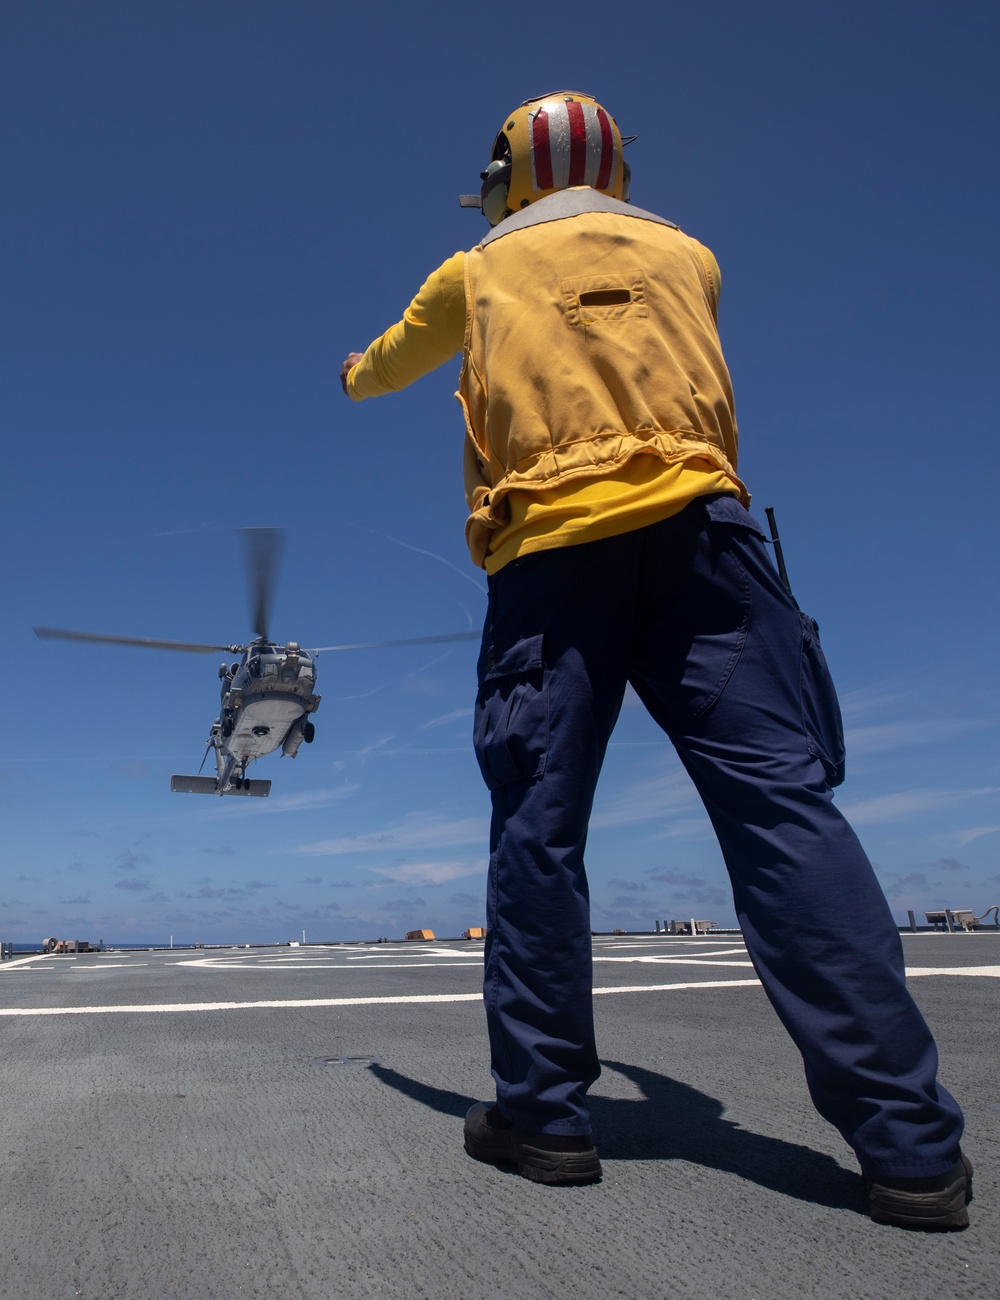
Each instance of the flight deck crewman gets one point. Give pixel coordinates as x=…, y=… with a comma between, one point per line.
x=606, y=508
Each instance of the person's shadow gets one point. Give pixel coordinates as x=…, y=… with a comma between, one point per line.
x=674, y=1121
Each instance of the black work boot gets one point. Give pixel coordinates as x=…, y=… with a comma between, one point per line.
x=542, y=1157
x=931, y=1204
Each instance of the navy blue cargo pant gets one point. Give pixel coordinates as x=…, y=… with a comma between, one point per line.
x=690, y=612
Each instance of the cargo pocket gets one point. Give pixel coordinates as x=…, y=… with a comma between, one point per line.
x=820, y=707
x=511, y=733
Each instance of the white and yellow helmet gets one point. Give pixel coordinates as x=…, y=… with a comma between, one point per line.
x=552, y=143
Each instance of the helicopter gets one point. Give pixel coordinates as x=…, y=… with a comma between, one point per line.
x=268, y=695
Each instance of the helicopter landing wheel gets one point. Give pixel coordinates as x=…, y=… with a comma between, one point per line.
x=227, y=727
x=309, y=733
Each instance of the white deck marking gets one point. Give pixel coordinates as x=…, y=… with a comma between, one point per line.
x=103, y=970
x=398, y=1000
x=421, y=952
x=697, y=984
x=21, y=962
x=211, y=963
x=676, y=961
x=688, y=951
x=989, y=971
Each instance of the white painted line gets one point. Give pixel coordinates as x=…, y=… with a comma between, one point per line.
x=103, y=970
x=988, y=971
x=421, y=998
x=664, y=955
x=415, y=965
x=700, y=984
x=422, y=952
x=239, y=1006
x=676, y=961
x=401, y=1000
x=209, y=963
x=24, y=961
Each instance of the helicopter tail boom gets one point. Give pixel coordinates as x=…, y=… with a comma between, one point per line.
x=210, y=785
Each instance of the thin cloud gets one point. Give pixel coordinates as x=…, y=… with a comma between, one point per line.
x=907, y=735
x=402, y=751
x=915, y=880
x=679, y=879
x=343, y=699
x=475, y=903
x=310, y=799
x=909, y=803
x=374, y=747
x=430, y=873
x=414, y=683
x=681, y=826
x=655, y=797
x=416, y=832
x=249, y=890
x=976, y=833
x=445, y=718
x=433, y=555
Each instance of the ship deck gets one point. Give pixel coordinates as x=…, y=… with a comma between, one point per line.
x=287, y=1122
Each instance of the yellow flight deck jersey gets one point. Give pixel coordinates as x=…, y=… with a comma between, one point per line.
x=595, y=403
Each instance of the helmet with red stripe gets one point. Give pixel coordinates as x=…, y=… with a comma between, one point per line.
x=553, y=143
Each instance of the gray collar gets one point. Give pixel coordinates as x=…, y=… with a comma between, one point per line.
x=569, y=203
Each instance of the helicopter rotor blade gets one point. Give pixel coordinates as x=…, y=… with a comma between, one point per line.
x=412, y=640
x=263, y=546
x=146, y=642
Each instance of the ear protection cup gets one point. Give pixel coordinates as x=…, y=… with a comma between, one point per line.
x=494, y=192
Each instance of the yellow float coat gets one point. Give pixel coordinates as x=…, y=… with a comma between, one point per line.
x=594, y=388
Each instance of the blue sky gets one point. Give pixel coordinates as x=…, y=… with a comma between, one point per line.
x=207, y=205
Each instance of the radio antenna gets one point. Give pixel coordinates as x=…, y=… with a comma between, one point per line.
x=778, y=554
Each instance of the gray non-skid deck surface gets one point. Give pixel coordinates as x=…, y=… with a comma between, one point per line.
x=195, y=1152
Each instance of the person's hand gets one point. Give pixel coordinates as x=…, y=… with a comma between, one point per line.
x=352, y=360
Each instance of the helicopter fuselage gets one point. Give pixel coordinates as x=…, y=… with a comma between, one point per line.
x=267, y=698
